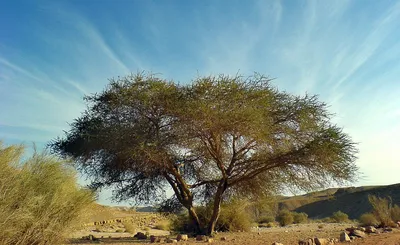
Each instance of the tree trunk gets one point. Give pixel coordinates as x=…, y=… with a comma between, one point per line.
x=217, y=208
x=195, y=219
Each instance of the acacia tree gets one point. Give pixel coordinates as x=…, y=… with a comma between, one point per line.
x=209, y=140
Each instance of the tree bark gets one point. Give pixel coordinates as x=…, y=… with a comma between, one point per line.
x=195, y=219
x=185, y=197
x=217, y=207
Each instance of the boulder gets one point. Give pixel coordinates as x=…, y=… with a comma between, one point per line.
x=370, y=229
x=182, y=237
x=200, y=238
x=358, y=233
x=308, y=241
x=154, y=239
x=140, y=236
x=321, y=241
x=344, y=237
x=92, y=238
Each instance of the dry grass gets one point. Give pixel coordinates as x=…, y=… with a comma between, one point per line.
x=129, y=227
x=164, y=225
x=40, y=199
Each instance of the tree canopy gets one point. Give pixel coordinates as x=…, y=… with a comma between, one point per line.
x=208, y=140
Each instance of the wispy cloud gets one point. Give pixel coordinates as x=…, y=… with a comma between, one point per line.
x=345, y=51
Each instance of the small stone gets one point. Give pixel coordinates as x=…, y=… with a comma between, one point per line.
x=308, y=241
x=344, y=237
x=92, y=238
x=358, y=233
x=182, y=237
x=370, y=229
x=210, y=240
x=140, y=236
x=277, y=243
x=321, y=241
x=171, y=241
x=223, y=238
x=200, y=238
x=154, y=239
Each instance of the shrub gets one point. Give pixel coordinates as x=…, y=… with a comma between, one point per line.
x=129, y=227
x=340, y=217
x=42, y=200
x=164, y=225
x=265, y=219
x=182, y=223
x=299, y=218
x=381, y=209
x=233, y=217
x=264, y=209
x=368, y=219
x=395, y=213
x=272, y=224
x=285, y=217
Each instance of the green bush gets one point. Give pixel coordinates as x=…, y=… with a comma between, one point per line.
x=233, y=217
x=340, y=217
x=368, y=219
x=328, y=220
x=164, y=225
x=263, y=210
x=182, y=223
x=395, y=213
x=130, y=227
x=299, y=218
x=285, y=217
x=41, y=199
x=265, y=219
x=381, y=209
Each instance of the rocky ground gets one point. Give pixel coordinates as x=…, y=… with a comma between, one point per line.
x=264, y=236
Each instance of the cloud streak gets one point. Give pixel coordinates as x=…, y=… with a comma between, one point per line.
x=345, y=51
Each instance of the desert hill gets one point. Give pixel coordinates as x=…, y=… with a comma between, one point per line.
x=351, y=200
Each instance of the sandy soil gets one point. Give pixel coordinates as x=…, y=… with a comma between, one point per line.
x=287, y=235
x=155, y=232
x=392, y=238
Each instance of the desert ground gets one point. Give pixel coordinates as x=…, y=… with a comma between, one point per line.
x=259, y=236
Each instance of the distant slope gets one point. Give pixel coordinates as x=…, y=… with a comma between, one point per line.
x=295, y=202
x=352, y=200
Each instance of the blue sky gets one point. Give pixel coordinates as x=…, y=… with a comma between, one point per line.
x=54, y=52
